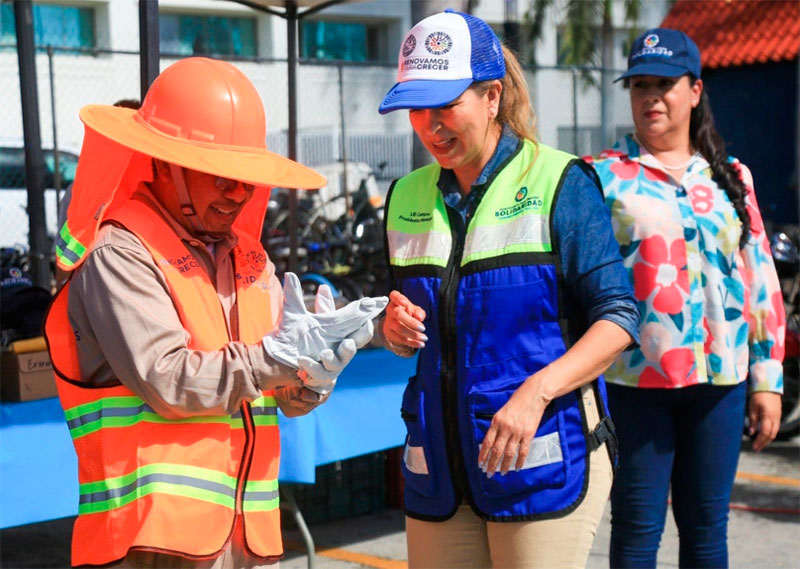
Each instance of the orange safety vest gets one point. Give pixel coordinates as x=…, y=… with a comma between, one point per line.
x=166, y=485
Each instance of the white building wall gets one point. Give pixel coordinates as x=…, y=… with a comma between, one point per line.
x=105, y=78
x=84, y=79
x=552, y=90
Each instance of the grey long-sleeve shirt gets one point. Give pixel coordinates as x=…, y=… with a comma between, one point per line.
x=129, y=330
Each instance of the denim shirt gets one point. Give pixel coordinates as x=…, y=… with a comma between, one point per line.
x=597, y=282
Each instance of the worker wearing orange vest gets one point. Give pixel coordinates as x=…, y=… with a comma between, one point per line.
x=171, y=342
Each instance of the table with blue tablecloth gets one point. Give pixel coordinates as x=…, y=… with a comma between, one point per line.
x=38, y=468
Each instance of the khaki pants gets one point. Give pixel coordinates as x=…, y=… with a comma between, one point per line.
x=465, y=540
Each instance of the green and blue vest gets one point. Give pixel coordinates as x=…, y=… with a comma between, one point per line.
x=492, y=289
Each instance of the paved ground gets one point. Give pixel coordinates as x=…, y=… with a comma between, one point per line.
x=764, y=529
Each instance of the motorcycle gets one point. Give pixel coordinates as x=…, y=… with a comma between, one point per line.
x=786, y=255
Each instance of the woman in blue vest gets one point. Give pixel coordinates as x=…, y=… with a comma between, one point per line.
x=712, y=315
x=509, y=284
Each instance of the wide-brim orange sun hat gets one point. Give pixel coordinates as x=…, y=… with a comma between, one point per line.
x=205, y=115
x=201, y=114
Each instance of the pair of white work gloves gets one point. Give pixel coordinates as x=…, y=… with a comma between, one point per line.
x=321, y=343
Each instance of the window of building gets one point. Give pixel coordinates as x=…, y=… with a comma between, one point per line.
x=192, y=34
x=56, y=25
x=348, y=41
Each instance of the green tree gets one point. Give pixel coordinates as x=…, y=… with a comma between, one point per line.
x=588, y=40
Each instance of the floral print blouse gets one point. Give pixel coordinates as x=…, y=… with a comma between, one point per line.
x=710, y=312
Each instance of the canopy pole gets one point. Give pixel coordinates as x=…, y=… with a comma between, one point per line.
x=149, y=51
x=291, y=35
x=39, y=254
x=292, y=17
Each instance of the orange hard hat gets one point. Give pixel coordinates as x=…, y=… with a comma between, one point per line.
x=201, y=114
x=204, y=115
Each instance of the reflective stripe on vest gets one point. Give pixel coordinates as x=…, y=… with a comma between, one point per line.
x=513, y=221
x=125, y=411
x=142, y=475
x=517, y=219
x=190, y=481
x=499, y=318
x=68, y=249
x=419, y=233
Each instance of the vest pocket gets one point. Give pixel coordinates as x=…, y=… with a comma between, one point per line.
x=505, y=329
x=547, y=461
x=417, y=463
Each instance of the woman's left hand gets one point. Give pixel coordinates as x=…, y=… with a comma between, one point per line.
x=764, y=412
x=512, y=430
x=515, y=424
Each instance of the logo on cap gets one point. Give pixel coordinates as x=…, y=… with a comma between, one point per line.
x=438, y=43
x=409, y=45
x=651, y=40
x=14, y=272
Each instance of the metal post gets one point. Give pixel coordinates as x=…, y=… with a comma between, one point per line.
x=575, y=110
x=34, y=162
x=56, y=157
x=421, y=9
x=511, y=26
x=288, y=502
x=149, y=51
x=291, y=35
x=606, y=86
x=346, y=188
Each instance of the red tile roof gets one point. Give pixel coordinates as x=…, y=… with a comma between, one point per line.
x=739, y=32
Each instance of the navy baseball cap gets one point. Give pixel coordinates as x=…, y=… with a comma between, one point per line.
x=440, y=58
x=23, y=305
x=13, y=280
x=664, y=53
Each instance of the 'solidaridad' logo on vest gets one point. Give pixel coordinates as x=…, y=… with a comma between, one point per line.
x=524, y=203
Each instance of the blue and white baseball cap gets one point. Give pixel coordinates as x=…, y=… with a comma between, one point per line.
x=440, y=57
x=664, y=53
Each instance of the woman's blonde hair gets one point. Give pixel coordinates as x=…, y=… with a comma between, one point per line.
x=515, y=102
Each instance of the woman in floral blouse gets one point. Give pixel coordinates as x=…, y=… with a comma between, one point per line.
x=712, y=319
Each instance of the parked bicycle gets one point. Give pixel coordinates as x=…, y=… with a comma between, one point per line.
x=340, y=233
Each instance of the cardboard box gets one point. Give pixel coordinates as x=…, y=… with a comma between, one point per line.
x=27, y=376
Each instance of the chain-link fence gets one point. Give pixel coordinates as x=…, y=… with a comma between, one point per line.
x=337, y=116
